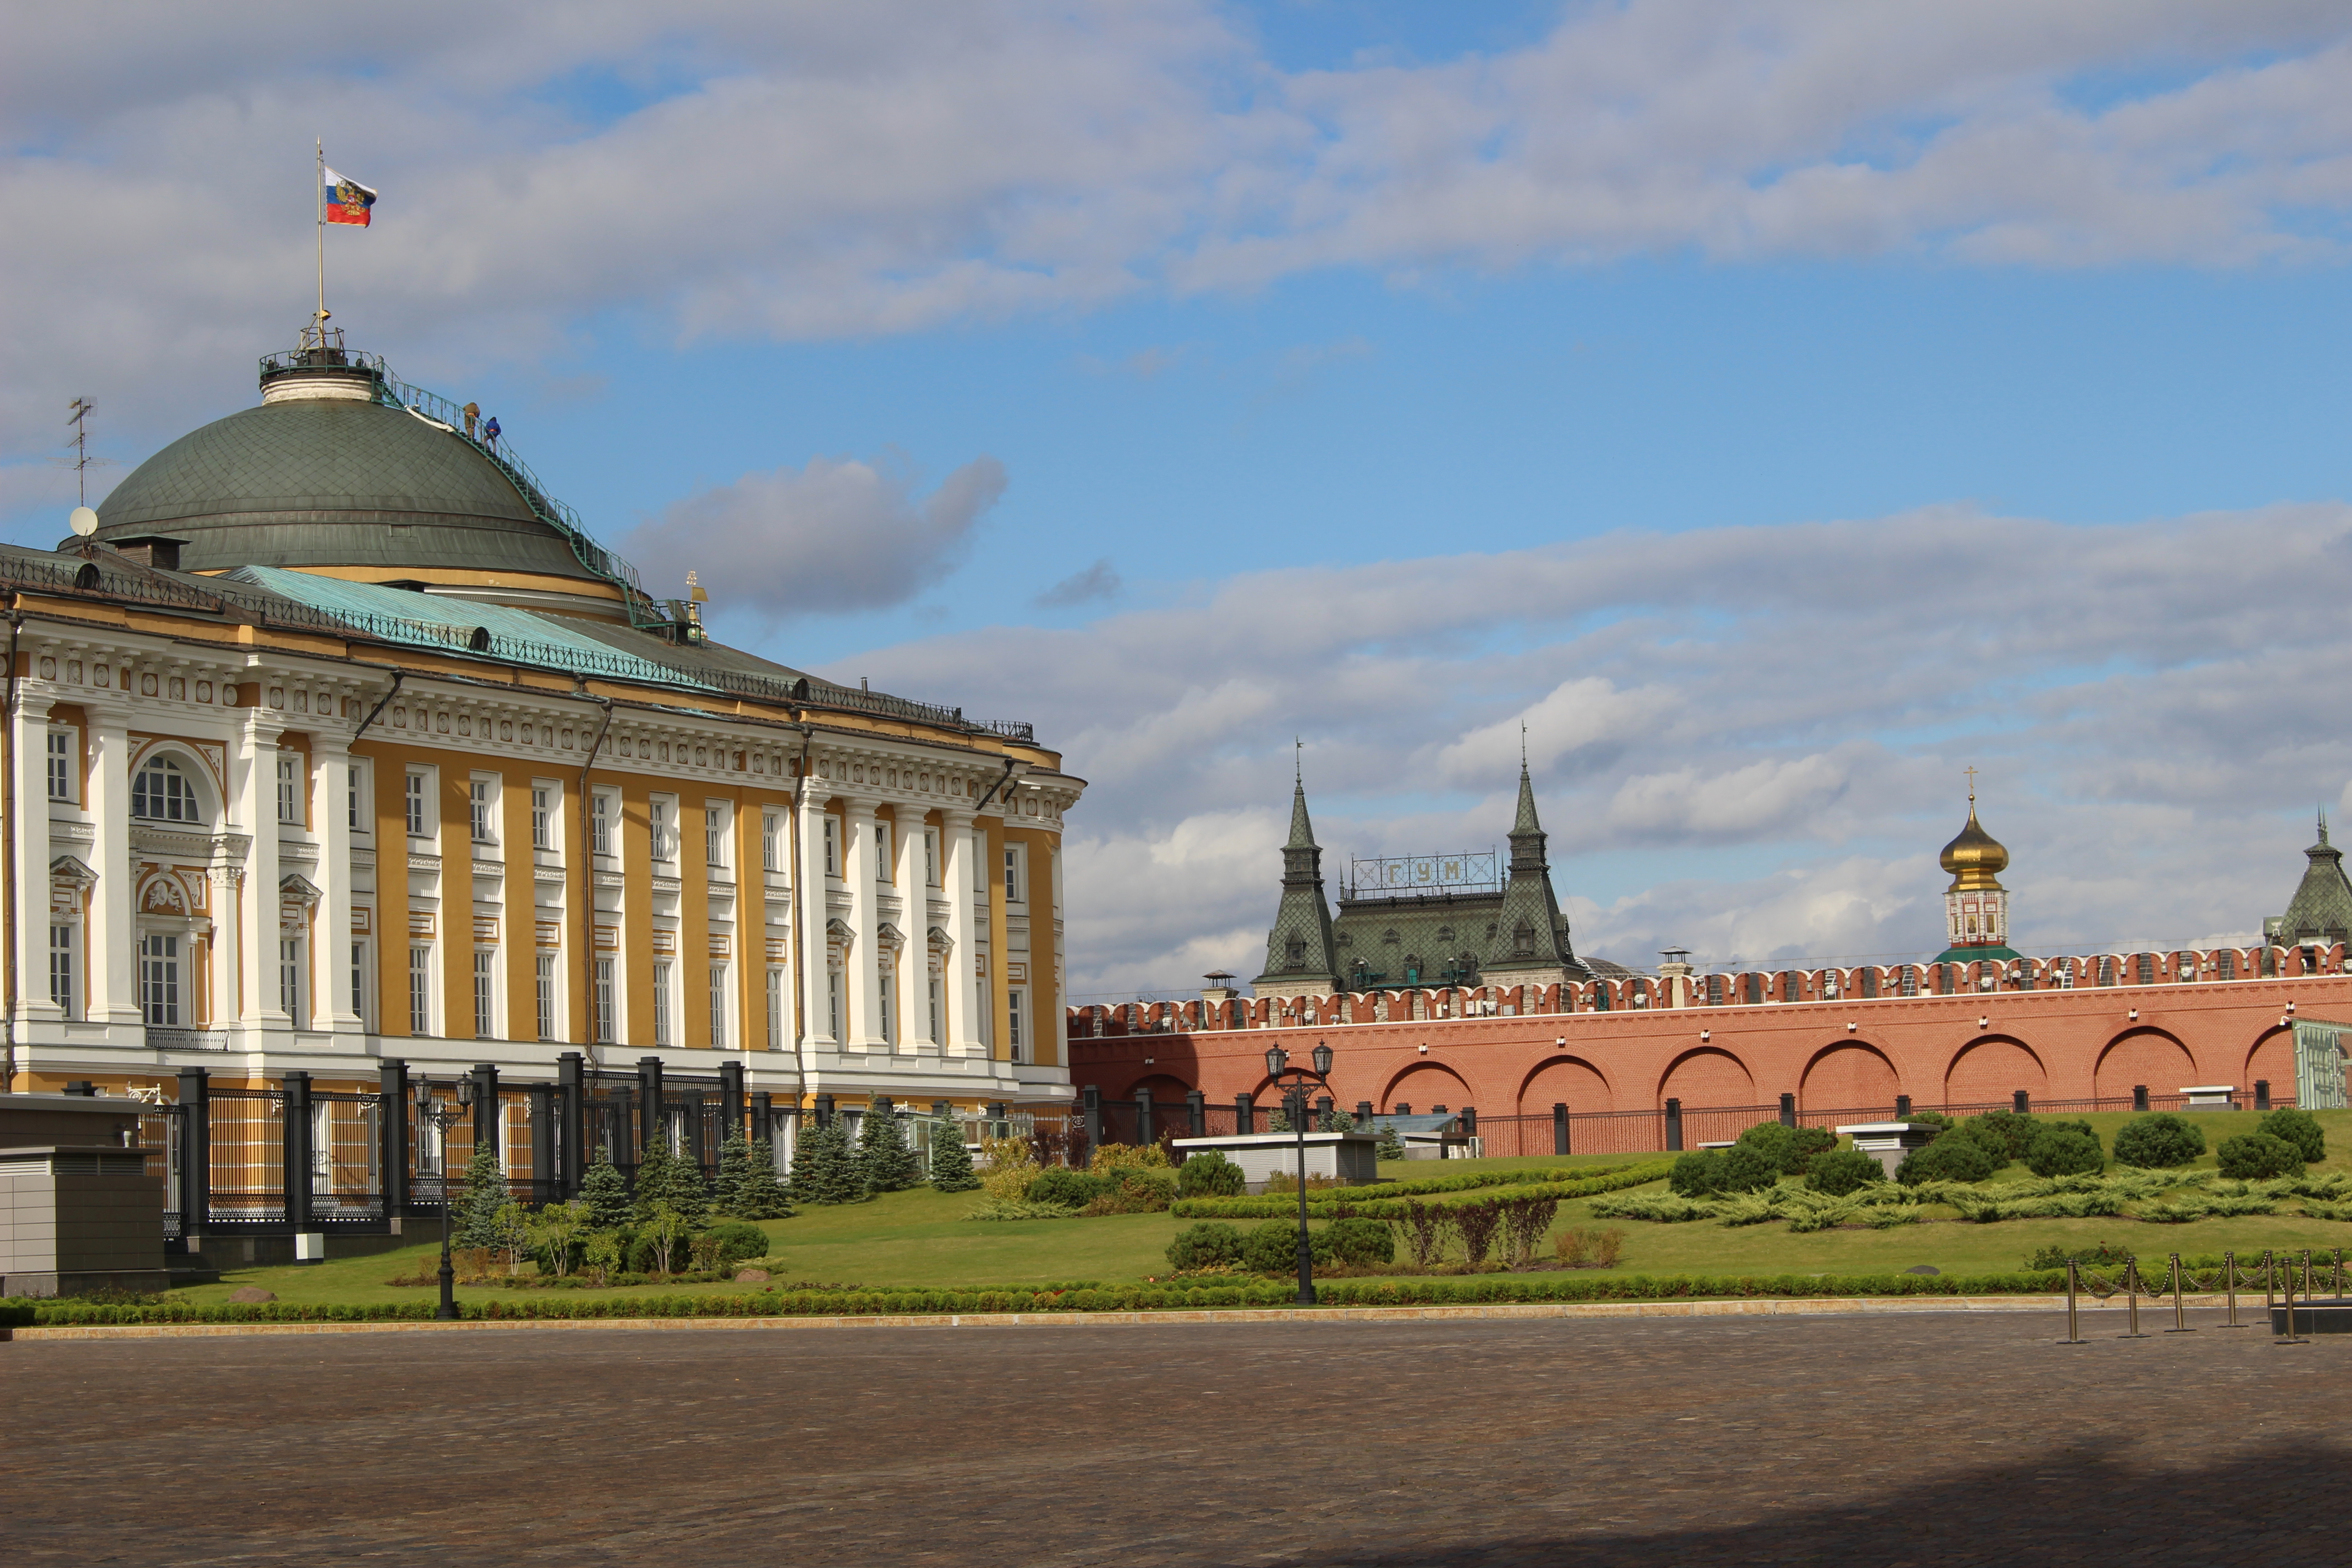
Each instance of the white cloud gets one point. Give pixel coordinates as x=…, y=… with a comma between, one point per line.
x=875, y=167
x=833, y=537
x=1757, y=756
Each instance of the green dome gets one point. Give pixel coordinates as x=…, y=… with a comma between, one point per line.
x=314, y=482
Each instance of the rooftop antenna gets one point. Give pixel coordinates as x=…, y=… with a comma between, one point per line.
x=77, y=415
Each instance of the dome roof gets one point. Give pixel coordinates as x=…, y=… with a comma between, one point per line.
x=334, y=482
x=1976, y=858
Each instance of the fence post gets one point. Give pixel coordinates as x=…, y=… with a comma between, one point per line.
x=2293, y=1337
x=2131, y=1298
x=824, y=1110
x=542, y=1143
x=1558, y=1128
x=2139, y=1097
x=1902, y=1108
x=571, y=1135
x=1090, y=1098
x=2074, y=1322
x=1788, y=1110
x=731, y=1101
x=2020, y=1102
x=650, y=1111
x=1196, y=1113
x=1146, y=1134
x=195, y=1155
x=294, y=1166
x=2230, y=1286
x=1673, y=1126
x=1469, y=1124
x=2262, y=1094
x=392, y=1133
x=1244, y=1114
x=1363, y=1115
x=485, y=1110
x=2179, y=1312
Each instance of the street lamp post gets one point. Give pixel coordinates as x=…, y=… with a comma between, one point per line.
x=430, y=1110
x=1277, y=1068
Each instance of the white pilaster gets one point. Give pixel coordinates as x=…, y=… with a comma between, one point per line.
x=113, y=925
x=331, y=933
x=914, y=959
x=957, y=852
x=809, y=917
x=30, y=921
x=253, y=770
x=864, y=979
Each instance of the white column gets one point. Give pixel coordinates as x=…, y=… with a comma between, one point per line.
x=914, y=924
x=31, y=916
x=809, y=916
x=331, y=933
x=956, y=870
x=1058, y=968
x=113, y=924
x=254, y=776
x=864, y=980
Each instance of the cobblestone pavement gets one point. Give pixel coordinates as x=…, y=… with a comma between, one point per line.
x=1914, y=1439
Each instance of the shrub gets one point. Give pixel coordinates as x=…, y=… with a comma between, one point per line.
x=1209, y=1174
x=822, y=1169
x=1774, y=1141
x=1580, y=1248
x=2158, y=1139
x=1843, y=1171
x=1935, y=1119
x=1948, y=1159
x=951, y=1169
x=1074, y=1189
x=886, y=1161
x=1208, y=1245
x=1747, y=1169
x=555, y=1235
x=1697, y=1175
x=2005, y=1130
x=2257, y=1156
x=735, y=1241
x=1477, y=1222
x=2101, y=1255
x=1132, y=1190
x=1525, y=1220
x=2064, y=1148
x=2299, y=1127
x=1361, y=1242
x=1129, y=1157
x=1424, y=1226
x=1011, y=1166
x=1273, y=1247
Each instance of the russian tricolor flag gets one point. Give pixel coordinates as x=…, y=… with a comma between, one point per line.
x=348, y=201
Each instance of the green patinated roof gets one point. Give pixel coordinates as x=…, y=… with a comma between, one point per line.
x=2321, y=909
x=322, y=482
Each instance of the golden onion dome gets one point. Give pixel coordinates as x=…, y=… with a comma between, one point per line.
x=1976, y=858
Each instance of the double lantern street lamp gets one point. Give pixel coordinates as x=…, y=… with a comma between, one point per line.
x=429, y=1109
x=1293, y=1106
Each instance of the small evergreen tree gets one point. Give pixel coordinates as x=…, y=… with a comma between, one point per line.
x=886, y=1164
x=734, y=1162
x=476, y=1223
x=664, y=1178
x=606, y=1192
x=822, y=1169
x=951, y=1169
x=1391, y=1142
x=748, y=1188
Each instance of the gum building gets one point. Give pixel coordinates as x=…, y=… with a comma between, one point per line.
x=343, y=753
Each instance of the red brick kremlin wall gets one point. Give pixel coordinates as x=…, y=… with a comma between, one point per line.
x=1834, y=1048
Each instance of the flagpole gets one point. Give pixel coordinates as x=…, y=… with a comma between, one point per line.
x=318, y=197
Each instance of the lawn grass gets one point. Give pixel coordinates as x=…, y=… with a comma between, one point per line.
x=920, y=1239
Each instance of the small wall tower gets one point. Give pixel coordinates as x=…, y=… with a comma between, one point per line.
x=1976, y=906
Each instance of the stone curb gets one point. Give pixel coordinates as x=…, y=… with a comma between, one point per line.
x=1779, y=1307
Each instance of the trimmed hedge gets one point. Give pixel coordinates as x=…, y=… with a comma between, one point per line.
x=1175, y=1296
x=1387, y=1200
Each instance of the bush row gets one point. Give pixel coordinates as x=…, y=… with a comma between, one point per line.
x=1387, y=1203
x=1179, y=1297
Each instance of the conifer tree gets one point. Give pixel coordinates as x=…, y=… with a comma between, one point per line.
x=885, y=1162
x=747, y=1187
x=823, y=1169
x=664, y=1178
x=606, y=1192
x=476, y=1223
x=951, y=1169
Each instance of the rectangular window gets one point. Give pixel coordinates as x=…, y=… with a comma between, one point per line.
x=360, y=983
x=605, y=1000
x=832, y=845
x=61, y=970
x=775, y=1008
x=290, y=981
x=414, y=804
x=930, y=857
x=661, y=1004
x=159, y=980
x=1012, y=875
x=889, y=1008
x=357, y=823
x=1015, y=1035
x=482, y=812
x=542, y=816
x=719, y=1008
x=662, y=827
x=882, y=853
x=485, y=978
x=937, y=997
x=772, y=842
x=832, y=1002
x=420, y=989
x=600, y=822
x=290, y=789
x=714, y=835
x=61, y=764
x=547, y=995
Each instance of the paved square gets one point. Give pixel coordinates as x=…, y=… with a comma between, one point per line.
x=1904, y=1439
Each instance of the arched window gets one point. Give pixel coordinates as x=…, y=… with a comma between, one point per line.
x=161, y=792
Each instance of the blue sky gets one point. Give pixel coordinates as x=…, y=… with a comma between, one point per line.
x=1778, y=407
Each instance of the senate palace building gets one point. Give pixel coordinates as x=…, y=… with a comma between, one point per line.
x=339, y=753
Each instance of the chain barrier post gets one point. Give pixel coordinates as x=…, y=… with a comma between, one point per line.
x=2270, y=1284
x=2340, y=1273
x=2179, y=1312
x=2131, y=1296
x=2291, y=1337
x=2229, y=1283
x=2074, y=1322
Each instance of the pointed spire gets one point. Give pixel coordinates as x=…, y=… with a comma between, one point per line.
x=2323, y=825
x=1302, y=832
x=1526, y=822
